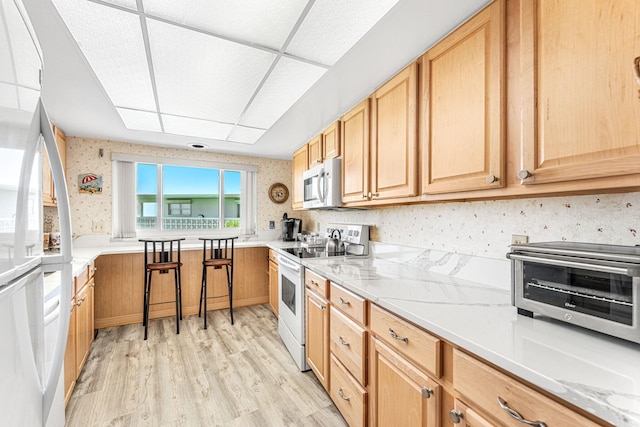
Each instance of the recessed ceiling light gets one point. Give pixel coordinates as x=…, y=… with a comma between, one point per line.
x=198, y=146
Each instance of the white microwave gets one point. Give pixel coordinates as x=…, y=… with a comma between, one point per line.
x=322, y=186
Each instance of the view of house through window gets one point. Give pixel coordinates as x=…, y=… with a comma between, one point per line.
x=191, y=198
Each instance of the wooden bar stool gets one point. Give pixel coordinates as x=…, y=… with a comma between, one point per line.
x=159, y=256
x=217, y=252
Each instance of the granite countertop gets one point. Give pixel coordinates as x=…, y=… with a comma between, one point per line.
x=467, y=301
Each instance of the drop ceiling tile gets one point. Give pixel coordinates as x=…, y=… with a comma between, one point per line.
x=111, y=40
x=203, y=76
x=288, y=81
x=24, y=59
x=332, y=27
x=246, y=135
x=266, y=23
x=140, y=120
x=195, y=127
x=8, y=98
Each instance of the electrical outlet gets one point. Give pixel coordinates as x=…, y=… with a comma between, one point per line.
x=272, y=225
x=519, y=239
x=96, y=226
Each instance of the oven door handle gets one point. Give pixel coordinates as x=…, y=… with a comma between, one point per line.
x=288, y=264
x=630, y=271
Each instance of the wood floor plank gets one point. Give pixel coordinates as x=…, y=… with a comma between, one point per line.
x=227, y=375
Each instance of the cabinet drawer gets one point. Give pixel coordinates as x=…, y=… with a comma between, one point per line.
x=349, y=303
x=423, y=348
x=349, y=344
x=317, y=284
x=481, y=386
x=273, y=256
x=348, y=395
x=81, y=279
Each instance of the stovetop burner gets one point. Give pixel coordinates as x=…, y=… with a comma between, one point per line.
x=311, y=252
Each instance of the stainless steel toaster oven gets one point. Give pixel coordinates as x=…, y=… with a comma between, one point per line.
x=590, y=285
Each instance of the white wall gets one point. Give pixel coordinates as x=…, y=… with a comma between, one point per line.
x=484, y=228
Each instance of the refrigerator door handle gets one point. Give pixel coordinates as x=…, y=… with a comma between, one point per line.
x=64, y=213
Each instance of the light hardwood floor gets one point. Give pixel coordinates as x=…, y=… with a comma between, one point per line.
x=238, y=375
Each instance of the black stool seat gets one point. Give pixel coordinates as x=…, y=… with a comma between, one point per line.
x=161, y=255
x=217, y=252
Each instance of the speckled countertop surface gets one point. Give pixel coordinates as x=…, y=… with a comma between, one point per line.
x=466, y=300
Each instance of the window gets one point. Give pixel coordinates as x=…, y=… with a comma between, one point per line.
x=184, y=196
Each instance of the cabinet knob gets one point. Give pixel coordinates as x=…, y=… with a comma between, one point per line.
x=455, y=416
x=636, y=68
x=524, y=174
x=427, y=392
x=364, y=195
x=491, y=179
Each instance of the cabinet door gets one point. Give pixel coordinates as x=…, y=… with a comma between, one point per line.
x=82, y=328
x=402, y=394
x=315, y=151
x=462, y=99
x=331, y=141
x=355, y=153
x=90, y=313
x=70, y=356
x=463, y=416
x=580, y=102
x=48, y=197
x=273, y=287
x=394, y=137
x=317, y=334
x=300, y=164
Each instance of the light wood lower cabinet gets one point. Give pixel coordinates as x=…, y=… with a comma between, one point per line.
x=81, y=329
x=463, y=416
x=119, y=293
x=317, y=334
x=273, y=282
x=348, y=395
x=484, y=388
x=401, y=394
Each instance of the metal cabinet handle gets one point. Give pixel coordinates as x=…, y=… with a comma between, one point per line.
x=364, y=195
x=341, y=394
x=427, y=392
x=95, y=268
x=516, y=416
x=396, y=337
x=374, y=194
x=313, y=282
x=636, y=68
x=490, y=179
x=343, y=301
x=524, y=174
x=455, y=416
x=343, y=342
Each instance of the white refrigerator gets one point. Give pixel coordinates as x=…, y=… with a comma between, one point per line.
x=35, y=289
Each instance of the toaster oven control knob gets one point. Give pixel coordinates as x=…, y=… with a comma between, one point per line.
x=568, y=317
x=524, y=174
x=455, y=416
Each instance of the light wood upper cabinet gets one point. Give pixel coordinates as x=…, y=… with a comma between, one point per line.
x=462, y=106
x=355, y=153
x=48, y=188
x=331, y=141
x=300, y=164
x=580, y=96
x=394, y=137
x=314, y=148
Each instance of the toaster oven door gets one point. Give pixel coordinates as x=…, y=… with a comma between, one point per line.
x=599, y=294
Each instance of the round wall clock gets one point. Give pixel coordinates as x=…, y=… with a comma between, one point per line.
x=278, y=193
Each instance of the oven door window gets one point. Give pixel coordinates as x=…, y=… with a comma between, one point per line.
x=289, y=293
x=604, y=295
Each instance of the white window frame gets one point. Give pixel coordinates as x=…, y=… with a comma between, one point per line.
x=248, y=196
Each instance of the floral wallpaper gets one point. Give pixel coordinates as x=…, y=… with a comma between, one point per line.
x=481, y=228
x=484, y=228
x=91, y=213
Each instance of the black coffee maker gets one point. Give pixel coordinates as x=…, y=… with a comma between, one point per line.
x=290, y=228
